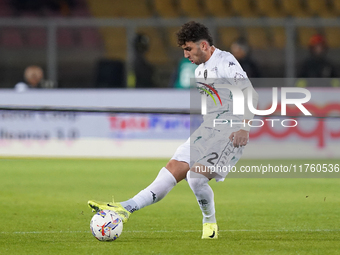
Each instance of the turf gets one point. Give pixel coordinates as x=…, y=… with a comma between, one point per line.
x=44, y=211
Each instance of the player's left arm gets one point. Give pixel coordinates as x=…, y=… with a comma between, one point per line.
x=234, y=73
x=241, y=137
x=240, y=79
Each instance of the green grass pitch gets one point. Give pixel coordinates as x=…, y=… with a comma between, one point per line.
x=44, y=211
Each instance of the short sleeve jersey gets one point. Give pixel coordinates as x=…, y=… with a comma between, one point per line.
x=222, y=67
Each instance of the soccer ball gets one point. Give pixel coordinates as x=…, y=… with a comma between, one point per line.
x=106, y=225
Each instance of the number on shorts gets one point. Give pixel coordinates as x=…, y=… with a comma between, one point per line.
x=215, y=156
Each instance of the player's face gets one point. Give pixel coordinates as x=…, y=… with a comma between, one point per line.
x=194, y=52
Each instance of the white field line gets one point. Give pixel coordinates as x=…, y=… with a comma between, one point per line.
x=172, y=231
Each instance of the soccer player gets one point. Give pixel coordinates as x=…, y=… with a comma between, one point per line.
x=209, y=146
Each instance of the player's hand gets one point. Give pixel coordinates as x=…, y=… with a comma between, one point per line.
x=239, y=138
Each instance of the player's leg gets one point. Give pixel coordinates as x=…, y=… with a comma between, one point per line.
x=215, y=150
x=198, y=178
x=166, y=179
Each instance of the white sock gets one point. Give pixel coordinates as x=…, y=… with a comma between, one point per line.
x=157, y=190
x=204, y=194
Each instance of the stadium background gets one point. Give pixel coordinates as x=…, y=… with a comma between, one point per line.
x=71, y=39
x=86, y=48
x=51, y=159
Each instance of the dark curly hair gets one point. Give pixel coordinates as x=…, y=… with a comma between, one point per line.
x=193, y=32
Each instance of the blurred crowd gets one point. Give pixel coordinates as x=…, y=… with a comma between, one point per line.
x=155, y=60
x=43, y=7
x=112, y=74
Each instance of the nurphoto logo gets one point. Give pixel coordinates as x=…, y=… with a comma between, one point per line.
x=239, y=104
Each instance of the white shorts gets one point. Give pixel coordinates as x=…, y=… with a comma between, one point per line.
x=212, y=148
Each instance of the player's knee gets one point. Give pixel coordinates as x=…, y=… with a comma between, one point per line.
x=178, y=169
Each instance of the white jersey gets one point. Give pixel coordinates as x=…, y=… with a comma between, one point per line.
x=208, y=145
x=222, y=67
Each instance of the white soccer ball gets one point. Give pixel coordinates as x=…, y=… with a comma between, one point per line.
x=106, y=225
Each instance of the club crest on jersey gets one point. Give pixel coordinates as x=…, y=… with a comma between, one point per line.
x=205, y=74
